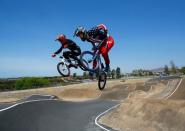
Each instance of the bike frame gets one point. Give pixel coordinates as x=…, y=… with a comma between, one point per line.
x=97, y=56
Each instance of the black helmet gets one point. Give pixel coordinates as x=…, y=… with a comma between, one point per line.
x=79, y=30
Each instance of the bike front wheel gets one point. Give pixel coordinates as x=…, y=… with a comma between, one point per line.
x=90, y=64
x=63, y=69
x=102, y=80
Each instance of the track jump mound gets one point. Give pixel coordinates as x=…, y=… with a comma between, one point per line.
x=40, y=97
x=147, y=115
x=119, y=92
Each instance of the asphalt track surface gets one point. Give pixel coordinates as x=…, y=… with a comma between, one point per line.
x=53, y=115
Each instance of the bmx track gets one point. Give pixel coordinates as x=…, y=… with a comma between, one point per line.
x=41, y=113
x=46, y=113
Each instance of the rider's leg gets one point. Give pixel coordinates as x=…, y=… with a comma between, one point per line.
x=71, y=55
x=107, y=61
x=91, y=74
x=66, y=55
x=104, y=51
x=75, y=54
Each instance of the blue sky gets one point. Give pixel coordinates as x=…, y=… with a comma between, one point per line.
x=148, y=33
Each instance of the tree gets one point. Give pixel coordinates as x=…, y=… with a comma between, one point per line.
x=136, y=72
x=166, y=70
x=140, y=72
x=85, y=75
x=182, y=70
x=173, y=67
x=118, y=72
x=74, y=75
x=113, y=74
x=151, y=73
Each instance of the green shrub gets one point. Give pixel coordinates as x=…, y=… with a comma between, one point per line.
x=27, y=83
x=7, y=85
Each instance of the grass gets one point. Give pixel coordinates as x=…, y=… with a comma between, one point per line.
x=7, y=85
x=35, y=82
x=31, y=82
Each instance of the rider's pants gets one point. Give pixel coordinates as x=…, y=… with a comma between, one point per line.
x=72, y=54
x=104, y=49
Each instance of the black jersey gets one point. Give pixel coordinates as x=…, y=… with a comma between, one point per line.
x=71, y=45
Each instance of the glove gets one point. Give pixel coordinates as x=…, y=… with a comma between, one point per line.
x=53, y=55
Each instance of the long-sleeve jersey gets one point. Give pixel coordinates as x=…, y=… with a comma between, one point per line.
x=71, y=45
x=96, y=35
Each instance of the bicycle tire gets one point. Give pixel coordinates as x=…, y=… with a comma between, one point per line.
x=102, y=80
x=82, y=58
x=61, y=71
x=82, y=66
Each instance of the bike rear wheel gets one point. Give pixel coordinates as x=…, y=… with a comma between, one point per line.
x=88, y=56
x=63, y=69
x=83, y=65
x=102, y=80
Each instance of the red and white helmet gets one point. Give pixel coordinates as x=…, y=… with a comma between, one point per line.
x=61, y=38
x=102, y=27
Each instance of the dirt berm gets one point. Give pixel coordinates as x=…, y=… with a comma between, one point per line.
x=143, y=112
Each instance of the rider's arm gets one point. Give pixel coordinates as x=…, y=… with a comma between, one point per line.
x=95, y=35
x=92, y=34
x=92, y=40
x=59, y=50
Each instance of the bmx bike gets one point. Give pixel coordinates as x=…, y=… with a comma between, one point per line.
x=64, y=65
x=92, y=57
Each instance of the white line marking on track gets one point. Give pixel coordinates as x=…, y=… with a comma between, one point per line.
x=174, y=90
x=22, y=103
x=100, y=115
